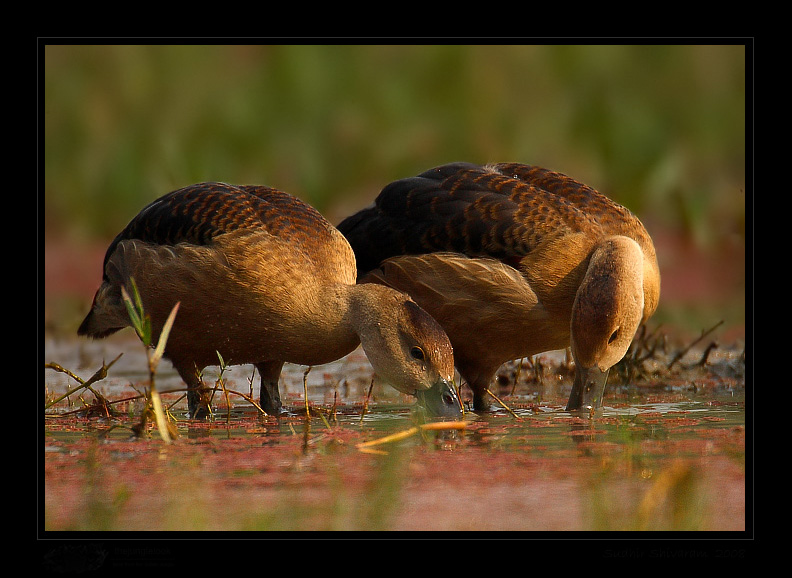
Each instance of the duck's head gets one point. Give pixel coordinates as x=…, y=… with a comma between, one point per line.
x=608, y=309
x=408, y=349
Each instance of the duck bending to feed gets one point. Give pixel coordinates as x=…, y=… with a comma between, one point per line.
x=262, y=278
x=513, y=260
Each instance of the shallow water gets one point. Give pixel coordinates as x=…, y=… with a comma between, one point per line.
x=665, y=456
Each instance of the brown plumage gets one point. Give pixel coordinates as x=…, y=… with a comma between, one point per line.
x=513, y=260
x=263, y=278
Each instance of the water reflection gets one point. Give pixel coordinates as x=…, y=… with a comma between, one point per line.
x=546, y=468
x=536, y=421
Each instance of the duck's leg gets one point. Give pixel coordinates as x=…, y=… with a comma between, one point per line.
x=198, y=396
x=481, y=401
x=270, y=395
x=478, y=379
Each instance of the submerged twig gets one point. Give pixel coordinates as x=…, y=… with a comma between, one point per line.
x=681, y=354
x=305, y=388
x=248, y=399
x=244, y=396
x=390, y=438
x=707, y=352
x=650, y=348
x=404, y=434
x=366, y=401
x=221, y=381
x=517, y=375
x=538, y=369
x=506, y=407
x=99, y=375
x=250, y=382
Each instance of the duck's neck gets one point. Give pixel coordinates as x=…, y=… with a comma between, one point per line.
x=609, y=303
x=341, y=315
x=327, y=329
x=363, y=306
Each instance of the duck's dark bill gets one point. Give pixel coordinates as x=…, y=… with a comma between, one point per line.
x=441, y=400
x=587, y=389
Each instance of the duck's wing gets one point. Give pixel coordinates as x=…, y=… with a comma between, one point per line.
x=502, y=211
x=455, y=283
x=488, y=309
x=199, y=214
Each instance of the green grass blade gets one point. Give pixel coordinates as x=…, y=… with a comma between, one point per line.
x=160, y=350
x=159, y=415
x=133, y=314
x=140, y=321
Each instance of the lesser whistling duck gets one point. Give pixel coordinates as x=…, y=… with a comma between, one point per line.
x=263, y=278
x=513, y=260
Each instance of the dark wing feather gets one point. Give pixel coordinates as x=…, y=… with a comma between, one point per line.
x=503, y=211
x=198, y=213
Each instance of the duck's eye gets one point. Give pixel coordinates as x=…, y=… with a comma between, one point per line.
x=417, y=353
x=613, y=337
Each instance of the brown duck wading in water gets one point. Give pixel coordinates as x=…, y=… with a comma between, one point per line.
x=513, y=260
x=263, y=278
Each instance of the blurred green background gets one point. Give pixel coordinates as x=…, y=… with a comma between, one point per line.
x=661, y=129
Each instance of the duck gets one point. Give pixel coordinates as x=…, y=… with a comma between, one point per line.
x=263, y=278
x=513, y=260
